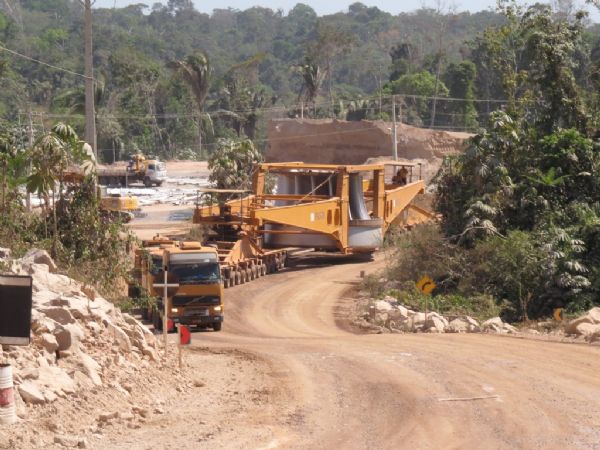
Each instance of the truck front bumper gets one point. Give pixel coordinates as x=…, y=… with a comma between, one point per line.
x=198, y=320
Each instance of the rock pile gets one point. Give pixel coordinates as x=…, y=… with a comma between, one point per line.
x=388, y=315
x=587, y=326
x=79, y=340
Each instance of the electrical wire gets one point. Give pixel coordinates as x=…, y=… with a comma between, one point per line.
x=29, y=58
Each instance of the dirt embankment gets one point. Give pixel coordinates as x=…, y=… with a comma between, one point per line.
x=339, y=142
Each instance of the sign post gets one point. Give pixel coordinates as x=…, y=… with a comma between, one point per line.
x=426, y=285
x=165, y=285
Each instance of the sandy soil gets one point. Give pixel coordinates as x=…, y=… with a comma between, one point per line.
x=313, y=383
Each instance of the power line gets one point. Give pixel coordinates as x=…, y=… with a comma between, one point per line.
x=29, y=58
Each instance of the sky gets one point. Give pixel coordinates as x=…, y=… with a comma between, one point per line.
x=324, y=7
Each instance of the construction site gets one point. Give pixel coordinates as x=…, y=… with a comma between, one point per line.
x=287, y=348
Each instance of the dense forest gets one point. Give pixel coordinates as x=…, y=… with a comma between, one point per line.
x=173, y=81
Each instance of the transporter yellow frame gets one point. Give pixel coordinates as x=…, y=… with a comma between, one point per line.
x=327, y=215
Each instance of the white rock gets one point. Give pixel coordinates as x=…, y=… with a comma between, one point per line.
x=458, y=325
x=585, y=329
x=42, y=324
x=58, y=314
x=57, y=380
x=4, y=253
x=39, y=257
x=91, y=368
x=494, y=325
x=383, y=306
x=464, y=324
x=76, y=331
x=44, y=297
x=30, y=393
x=70, y=441
x=434, y=324
x=30, y=373
x=592, y=317
x=120, y=337
x=49, y=343
x=63, y=337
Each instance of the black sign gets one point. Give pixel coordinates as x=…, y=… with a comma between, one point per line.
x=15, y=309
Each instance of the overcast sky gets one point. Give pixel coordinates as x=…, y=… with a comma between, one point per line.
x=322, y=7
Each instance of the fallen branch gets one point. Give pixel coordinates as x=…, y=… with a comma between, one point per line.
x=466, y=399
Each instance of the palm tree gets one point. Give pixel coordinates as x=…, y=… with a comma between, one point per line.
x=196, y=71
x=51, y=156
x=312, y=79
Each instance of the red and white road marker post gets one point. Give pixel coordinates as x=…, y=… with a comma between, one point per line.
x=185, y=338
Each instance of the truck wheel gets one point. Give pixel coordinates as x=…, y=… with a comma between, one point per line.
x=225, y=283
x=263, y=270
x=159, y=183
x=254, y=272
x=249, y=275
x=217, y=326
x=147, y=182
x=237, y=277
x=156, y=321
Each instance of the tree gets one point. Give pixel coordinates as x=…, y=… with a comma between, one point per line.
x=196, y=71
x=230, y=164
x=312, y=79
x=51, y=155
x=459, y=78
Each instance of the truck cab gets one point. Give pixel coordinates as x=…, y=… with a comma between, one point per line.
x=156, y=172
x=199, y=298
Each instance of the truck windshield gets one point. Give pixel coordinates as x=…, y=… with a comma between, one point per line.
x=196, y=273
x=157, y=263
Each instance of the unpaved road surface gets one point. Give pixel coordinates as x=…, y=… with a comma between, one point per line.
x=322, y=386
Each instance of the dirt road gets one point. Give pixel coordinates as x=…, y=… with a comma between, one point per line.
x=325, y=387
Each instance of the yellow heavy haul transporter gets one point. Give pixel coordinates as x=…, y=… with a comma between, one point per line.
x=199, y=298
x=341, y=208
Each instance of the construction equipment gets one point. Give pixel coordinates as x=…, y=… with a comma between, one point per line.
x=199, y=298
x=341, y=208
x=139, y=169
x=122, y=208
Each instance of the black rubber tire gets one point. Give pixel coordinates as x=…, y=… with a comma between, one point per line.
x=147, y=182
x=156, y=321
x=263, y=270
x=249, y=276
x=217, y=326
x=238, y=278
x=254, y=271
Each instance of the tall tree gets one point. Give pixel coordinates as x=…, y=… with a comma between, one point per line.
x=196, y=71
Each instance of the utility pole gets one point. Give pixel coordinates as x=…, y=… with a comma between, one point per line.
x=31, y=141
x=394, y=130
x=90, y=112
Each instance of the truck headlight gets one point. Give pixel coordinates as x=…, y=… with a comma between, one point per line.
x=218, y=308
x=174, y=310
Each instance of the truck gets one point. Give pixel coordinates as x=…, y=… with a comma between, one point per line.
x=198, y=300
x=139, y=169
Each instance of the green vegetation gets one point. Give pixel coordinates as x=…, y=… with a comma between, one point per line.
x=84, y=244
x=172, y=81
x=521, y=207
